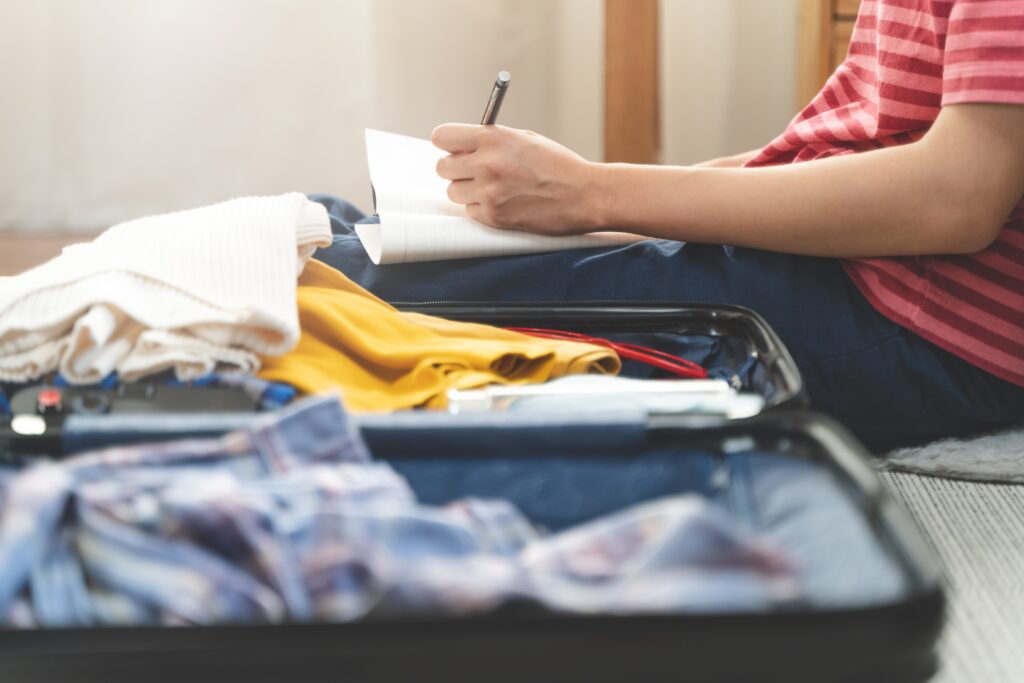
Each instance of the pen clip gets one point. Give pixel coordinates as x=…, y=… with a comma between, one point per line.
x=494, y=101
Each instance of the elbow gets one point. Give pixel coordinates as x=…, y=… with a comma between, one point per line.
x=965, y=228
x=978, y=232
x=970, y=209
x=980, y=239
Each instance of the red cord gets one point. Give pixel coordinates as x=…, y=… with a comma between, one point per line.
x=643, y=354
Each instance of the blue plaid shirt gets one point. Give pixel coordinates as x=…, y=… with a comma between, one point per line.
x=292, y=520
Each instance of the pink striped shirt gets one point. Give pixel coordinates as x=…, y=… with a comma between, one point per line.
x=908, y=59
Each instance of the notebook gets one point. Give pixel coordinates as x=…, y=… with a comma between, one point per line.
x=419, y=223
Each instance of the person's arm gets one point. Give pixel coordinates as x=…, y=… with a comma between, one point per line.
x=732, y=161
x=950, y=192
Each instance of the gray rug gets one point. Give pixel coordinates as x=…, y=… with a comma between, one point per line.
x=989, y=457
x=978, y=530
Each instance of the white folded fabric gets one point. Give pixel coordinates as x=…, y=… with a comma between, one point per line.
x=190, y=290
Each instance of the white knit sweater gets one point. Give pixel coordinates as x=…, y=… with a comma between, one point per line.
x=190, y=290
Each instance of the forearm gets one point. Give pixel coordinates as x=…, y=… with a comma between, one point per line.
x=887, y=202
x=734, y=161
x=950, y=192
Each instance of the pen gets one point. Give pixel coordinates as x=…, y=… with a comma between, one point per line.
x=497, y=95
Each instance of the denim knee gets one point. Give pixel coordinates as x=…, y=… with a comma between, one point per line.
x=343, y=214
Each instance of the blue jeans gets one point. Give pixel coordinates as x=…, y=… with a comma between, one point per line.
x=889, y=386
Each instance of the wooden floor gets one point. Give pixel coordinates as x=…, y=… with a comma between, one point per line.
x=21, y=252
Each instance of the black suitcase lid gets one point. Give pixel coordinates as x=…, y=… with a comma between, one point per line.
x=775, y=375
x=781, y=385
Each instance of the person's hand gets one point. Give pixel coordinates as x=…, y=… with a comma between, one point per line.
x=510, y=178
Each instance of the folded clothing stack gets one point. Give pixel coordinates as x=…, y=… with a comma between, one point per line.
x=215, y=290
x=191, y=290
x=293, y=520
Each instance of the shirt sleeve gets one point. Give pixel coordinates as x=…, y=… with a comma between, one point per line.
x=984, y=56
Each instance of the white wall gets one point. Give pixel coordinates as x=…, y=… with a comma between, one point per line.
x=728, y=75
x=139, y=107
x=117, y=108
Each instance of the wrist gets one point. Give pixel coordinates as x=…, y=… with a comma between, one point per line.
x=642, y=199
x=599, y=196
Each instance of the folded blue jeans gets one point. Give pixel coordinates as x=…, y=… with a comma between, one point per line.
x=889, y=386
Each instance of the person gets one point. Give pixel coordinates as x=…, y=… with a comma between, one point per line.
x=881, y=234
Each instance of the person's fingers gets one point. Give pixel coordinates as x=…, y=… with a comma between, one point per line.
x=479, y=213
x=457, y=137
x=455, y=167
x=463, y=192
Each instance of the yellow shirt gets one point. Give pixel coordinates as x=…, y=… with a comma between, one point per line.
x=381, y=359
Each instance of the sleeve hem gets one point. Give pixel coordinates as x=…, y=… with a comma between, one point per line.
x=983, y=97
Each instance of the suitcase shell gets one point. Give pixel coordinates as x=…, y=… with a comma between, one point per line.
x=888, y=637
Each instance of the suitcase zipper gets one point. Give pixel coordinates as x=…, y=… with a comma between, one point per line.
x=545, y=304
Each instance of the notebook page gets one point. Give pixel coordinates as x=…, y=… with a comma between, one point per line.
x=419, y=223
x=406, y=238
x=403, y=171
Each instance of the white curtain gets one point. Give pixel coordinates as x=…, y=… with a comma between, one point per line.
x=111, y=109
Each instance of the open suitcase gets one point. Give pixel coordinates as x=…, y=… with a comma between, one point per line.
x=871, y=607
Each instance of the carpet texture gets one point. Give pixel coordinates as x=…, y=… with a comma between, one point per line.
x=978, y=530
x=995, y=457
